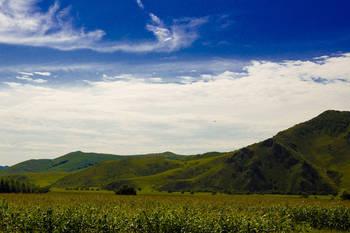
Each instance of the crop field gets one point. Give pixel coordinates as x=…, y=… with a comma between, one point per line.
x=198, y=213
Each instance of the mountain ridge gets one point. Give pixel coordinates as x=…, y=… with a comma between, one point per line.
x=310, y=157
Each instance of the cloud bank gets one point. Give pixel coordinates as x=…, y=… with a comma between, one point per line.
x=22, y=23
x=128, y=114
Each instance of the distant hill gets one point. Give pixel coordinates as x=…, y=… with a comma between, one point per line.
x=3, y=167
x=68, y=163
x=311, y=157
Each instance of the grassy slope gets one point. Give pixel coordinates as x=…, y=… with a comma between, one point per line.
x=148, y=172
x=68, y=163
x=110, y=171
x=324, y=142
x=303, y=158
x=310, y=157
x=44, y=179
x=34, y=165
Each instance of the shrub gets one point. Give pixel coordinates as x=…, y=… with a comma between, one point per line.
x=345, y=196
x=126, y=190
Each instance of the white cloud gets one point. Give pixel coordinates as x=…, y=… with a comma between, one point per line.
x=165, y=67
x=181, y=34
x=43, y=73
x=22, y=23
x=140, y=4
x=125, y=114
x=31, y=80
x=26, y=73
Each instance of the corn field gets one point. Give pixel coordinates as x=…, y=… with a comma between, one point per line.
x=88, y=213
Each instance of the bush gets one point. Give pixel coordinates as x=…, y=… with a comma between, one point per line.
x=126, y=190
x=345, y=196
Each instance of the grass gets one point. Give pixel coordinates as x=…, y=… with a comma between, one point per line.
x=46, y=178
x=157, y=213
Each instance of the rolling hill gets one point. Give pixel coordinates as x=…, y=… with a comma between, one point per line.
x=68, y=163
x=311, y=157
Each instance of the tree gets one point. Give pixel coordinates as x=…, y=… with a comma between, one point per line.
x=13, y=185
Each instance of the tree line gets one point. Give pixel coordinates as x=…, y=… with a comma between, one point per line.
x=10, y=185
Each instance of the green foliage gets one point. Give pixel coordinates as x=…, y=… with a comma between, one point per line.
x=10, y=185
x=81, y=213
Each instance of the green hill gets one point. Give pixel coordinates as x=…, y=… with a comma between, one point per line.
x=110, y=171
x=324, y=142
x=68, y=163
x=3, y=167
x=311, y=157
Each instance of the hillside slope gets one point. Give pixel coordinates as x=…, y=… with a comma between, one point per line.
x=146, y=172
x=324, y=142
x=68, y=163
x=312, y=157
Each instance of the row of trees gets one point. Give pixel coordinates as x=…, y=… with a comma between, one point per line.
x=11, y=185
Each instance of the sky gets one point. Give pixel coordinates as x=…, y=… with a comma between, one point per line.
x=141, y=76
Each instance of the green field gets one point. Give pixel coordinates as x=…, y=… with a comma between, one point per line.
x=198, y=213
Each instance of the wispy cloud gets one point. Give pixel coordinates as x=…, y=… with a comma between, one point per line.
x=42, y=73
x=31, y=79
x=26, y=73
x=140, y=4
x=22, y=23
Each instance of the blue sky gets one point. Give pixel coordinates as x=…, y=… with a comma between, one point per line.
x=230, y=29
x=209, y=75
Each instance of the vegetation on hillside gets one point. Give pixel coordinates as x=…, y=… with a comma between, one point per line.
x=11, y=185
x=309, y=158
x=71, y=162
